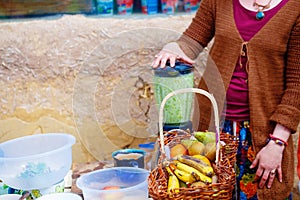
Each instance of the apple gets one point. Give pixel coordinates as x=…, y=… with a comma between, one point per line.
x=111, y=188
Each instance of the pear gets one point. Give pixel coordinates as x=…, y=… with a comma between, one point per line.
x=205, y=137
x=197, y=148
x=178, y=149
x=188, y=142
x=210, y=151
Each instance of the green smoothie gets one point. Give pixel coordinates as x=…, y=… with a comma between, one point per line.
x=178, y=108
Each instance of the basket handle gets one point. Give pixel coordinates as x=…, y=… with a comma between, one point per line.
x=190, y=90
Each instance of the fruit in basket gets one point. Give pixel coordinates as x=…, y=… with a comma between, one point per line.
x=173, y=182
x=210, y=151
x=205, y=136
x=196, y=148
x=182, y=184
x=185, y=176
x=178, y=149
x=197, y=164
x=204, y=158
x=194, y=172
x=188, y=142
x=198, y=184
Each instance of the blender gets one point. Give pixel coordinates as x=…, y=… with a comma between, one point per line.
x=177, y=111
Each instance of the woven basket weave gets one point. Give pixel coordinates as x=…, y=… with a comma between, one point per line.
x=223, y=166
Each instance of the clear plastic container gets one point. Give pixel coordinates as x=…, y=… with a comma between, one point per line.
x=36, y=161
x=10, y=197
x=149, y=149
x=132, y=184
x=60, y=196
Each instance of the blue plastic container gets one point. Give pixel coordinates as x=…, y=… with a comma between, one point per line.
x=129, y=158
x=149, y=6
x=105, y=7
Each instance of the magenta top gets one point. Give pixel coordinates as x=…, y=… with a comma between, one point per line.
x=237, y=108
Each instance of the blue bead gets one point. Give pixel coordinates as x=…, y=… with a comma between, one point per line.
x=260, y=15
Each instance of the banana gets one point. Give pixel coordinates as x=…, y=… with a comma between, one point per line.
x=203, y=158
x=185, y=176
x=173, y=182
x=197, y=164
x=172, y=166
x=194, y=172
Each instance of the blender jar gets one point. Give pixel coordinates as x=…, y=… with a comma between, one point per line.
x=177, y=110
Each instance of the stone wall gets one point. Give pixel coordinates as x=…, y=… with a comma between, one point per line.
x=86, y=76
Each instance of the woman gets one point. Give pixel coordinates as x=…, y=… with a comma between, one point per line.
x=256, y=50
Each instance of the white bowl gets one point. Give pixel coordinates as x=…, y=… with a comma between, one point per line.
x=36, y=161
x=60, y=196
x=10, y=197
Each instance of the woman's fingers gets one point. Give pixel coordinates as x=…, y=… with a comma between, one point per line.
x=172, y=61
x=156, y=62
x=279, y=173
x=186, y=59
x=164, y=56
x=272, y=175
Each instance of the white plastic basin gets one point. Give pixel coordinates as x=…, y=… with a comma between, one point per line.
x=36, y=161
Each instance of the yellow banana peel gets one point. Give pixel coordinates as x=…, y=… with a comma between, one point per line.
x=203, y=158
x=197, y=164
x=194, y=172
x=173, y=182
x=185, y=176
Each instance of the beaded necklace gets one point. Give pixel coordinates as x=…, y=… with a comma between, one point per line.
x=260, y=9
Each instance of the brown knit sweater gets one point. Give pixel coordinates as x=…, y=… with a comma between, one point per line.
x=273, y=74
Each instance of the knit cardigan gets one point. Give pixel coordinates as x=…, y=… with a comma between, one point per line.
x=273, y=74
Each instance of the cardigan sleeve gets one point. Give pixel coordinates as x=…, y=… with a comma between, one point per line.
x=201, y=30
x=288, y=111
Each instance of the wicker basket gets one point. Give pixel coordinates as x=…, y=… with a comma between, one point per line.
x=223, y=166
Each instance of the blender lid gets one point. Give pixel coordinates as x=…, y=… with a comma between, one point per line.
x=179, y=69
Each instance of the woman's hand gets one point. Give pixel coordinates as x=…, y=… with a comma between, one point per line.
x=268, y=160
x=268, y=163
x=171, y=52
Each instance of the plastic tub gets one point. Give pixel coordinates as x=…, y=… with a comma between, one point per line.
x=131, y=184
x=60, y=196
x=36, y=161
x=10, y=197
x=149, y=149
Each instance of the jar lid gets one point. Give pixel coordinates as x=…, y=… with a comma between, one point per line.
x=180, y=68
